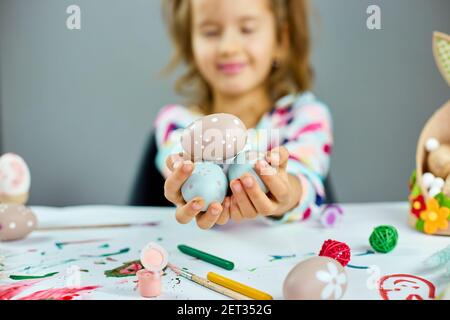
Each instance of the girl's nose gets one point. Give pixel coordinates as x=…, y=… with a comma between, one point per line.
x=229, y=43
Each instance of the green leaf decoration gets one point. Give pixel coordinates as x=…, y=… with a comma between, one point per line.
x=443, y=200
x=413, y=177
x=420, y=225
x=415, y=192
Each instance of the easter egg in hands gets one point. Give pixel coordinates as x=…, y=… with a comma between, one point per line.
x=245, y=163
x=206, y=181
x=215, y=137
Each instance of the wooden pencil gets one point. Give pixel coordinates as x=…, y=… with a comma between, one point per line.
x=208, y=284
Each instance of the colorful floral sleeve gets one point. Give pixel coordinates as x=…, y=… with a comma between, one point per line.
x=306, y=132
x=169, y=125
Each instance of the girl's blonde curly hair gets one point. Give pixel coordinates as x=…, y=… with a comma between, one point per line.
x=293, y=75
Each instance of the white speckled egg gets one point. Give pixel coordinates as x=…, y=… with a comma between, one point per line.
x=207, y=181
x=244, y=163
x=16, y=222
x=215, y=137
x=14, y=179
x=317, y=278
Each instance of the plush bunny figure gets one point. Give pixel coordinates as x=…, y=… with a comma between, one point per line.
x=430, y=183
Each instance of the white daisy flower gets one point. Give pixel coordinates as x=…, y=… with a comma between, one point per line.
x=334, y=279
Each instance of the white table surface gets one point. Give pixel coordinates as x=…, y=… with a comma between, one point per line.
x=249, y=245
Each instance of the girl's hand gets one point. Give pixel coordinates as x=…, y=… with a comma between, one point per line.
x=248, y=200
x=181, y=169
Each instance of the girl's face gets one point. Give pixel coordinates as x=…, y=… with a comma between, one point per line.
x=234, y=43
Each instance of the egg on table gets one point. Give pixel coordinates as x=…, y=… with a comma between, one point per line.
x=215, y=137
x=317, y=278
x=207, y=181
x=14, y=179
x=16, y=221
x=244, y=163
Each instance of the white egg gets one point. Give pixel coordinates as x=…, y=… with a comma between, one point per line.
x=432, y=144
x=438, y=183
x=434, y=192
x=427, y=179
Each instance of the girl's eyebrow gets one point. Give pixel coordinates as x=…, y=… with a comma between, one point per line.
x=248, y=18
x=208, y=21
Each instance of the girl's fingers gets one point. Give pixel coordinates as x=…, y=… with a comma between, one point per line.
x=243, y=202
x=175, y=160
x=187, y=212
x=276, y=185
x=225, y=215
x=173, y=184
x=235, y=213
x=208, y=219
x=278, y=157
x=259, y=199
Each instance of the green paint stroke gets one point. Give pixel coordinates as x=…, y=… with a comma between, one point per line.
x=124, y=250
x=104, y=246
x=275, y=258
x=60, y=245
x=27, y=277
x=128, y=269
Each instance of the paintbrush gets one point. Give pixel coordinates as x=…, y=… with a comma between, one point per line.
x=207, y=284
x=99, y=226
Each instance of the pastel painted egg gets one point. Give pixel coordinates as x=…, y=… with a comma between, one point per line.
x=317, y=278
x=14, y=179
x=215, y=137
x=206, y=181
x=244, y=163
x=16, y=222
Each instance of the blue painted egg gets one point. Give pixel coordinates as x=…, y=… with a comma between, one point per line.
x=244, y=163
x=206, y=181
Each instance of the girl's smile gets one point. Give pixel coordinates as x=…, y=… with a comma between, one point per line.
x=231, y=68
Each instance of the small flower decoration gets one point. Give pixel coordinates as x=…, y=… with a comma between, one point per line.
x=435, y=217
x=334, y=280
x=418, y=205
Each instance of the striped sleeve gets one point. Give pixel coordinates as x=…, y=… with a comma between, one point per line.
x=308, y=137
x=169, y=125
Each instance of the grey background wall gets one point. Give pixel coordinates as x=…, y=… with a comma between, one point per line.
x=78, y=105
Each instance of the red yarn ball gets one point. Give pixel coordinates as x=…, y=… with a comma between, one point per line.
x=339, y=251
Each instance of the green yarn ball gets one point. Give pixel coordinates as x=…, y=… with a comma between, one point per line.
x=383, y=239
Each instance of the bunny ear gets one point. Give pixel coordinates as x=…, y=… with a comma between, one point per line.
x=441, y=49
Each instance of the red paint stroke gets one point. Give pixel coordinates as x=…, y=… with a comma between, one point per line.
x=414, y=280
x=9, y=291
x=59, y=293
x=131, y=269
